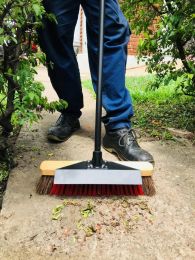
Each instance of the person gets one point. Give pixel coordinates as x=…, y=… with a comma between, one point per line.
x=56, y=40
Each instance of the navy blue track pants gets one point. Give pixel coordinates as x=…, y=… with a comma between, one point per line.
x=56, y=41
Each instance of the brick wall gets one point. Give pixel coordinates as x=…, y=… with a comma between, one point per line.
x=81, y=31
x=134, y=40
x=132, y=46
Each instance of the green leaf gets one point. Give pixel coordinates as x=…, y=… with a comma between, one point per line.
x=37, y=9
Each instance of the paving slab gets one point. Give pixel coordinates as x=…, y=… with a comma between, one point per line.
x=161, y=227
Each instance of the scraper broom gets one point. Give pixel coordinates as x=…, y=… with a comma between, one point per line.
x=96, y=177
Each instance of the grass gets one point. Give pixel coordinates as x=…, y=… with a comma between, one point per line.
x=157, y=110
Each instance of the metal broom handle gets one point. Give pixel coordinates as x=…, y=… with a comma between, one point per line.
x=97, y=156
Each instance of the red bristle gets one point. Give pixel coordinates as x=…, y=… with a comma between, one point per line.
x=109, y=190
x=90, y=190
x=96, y=190
x=105, y=190
x=84, y=187
x=117, y=190
x=126, y=190
x=61, y=190
x=140, y=190
x=80, y=190
x=53, y=190
x=57, y=189
x=84, y=193
x=131, y=191
x=66, y=189
x=83, y=190
x=136, y=190
x=72, y=190
x=75, y=189
x=122, y=190
x=114, y=190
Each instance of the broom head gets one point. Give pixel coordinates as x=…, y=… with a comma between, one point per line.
x=70, y=178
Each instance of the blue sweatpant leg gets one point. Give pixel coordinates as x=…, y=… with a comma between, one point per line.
x=56, y=40
x=116, y=98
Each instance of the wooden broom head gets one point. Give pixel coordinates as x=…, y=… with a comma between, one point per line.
x=47, y=168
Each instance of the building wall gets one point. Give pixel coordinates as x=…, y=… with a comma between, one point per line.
x=133, y=43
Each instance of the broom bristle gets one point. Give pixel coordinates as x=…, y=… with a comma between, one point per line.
x=46, y=186
x=96, y=190
x=148, y=186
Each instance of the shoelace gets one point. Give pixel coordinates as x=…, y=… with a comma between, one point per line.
x=59, y=120
x=62, y=120
x=128, y=136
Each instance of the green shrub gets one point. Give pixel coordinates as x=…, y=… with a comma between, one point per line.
x=21, y=98
x=168, y=30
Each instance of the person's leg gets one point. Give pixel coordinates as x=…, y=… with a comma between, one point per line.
x=119, y=138
x=116, y=99
x=56, y=40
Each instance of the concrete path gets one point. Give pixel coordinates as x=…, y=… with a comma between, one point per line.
x=161, y=227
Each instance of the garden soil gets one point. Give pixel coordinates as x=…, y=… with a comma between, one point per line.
x=43, y=227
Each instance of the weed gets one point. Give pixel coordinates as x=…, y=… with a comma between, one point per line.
x=88, y=211
x=57, y=212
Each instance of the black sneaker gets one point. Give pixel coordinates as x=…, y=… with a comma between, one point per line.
x=123, y=142
x=64, y=127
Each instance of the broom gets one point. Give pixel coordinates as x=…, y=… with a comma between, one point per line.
x=96, y=177
x=46, y=184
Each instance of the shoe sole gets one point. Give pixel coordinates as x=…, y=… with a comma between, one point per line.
x=111, y=150
x=58, y=139
x=120, y=157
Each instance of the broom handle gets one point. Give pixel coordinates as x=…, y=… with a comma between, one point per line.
x=97, y=154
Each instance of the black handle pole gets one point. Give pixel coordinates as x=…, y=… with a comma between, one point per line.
x=97, y=155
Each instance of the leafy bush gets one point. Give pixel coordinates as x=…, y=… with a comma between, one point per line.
x=21, y=97
x=168, y=30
